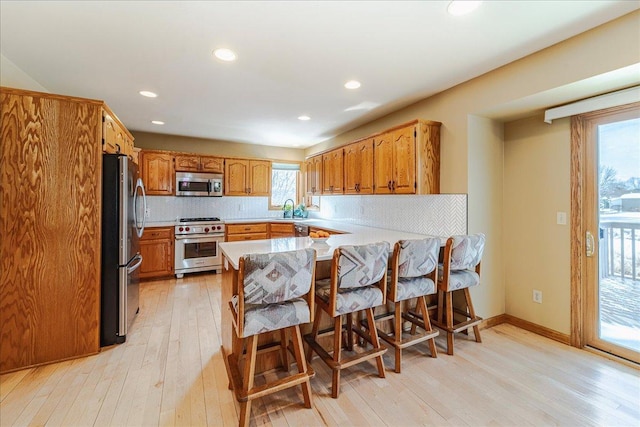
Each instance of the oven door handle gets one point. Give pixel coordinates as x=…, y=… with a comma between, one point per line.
x=196, y=239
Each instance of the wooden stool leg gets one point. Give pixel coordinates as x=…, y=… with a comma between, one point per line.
x=373, y=333
x=349, y=331
x=337, y=352
x=440, y=312
x=314, y=333
x=284, y=352
x=247, y=378
x=472, y=314
x=422, y=303
x=302, y=364
x=449, y=314
x=398, y=335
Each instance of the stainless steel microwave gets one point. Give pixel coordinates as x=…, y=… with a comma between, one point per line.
x=199, y=184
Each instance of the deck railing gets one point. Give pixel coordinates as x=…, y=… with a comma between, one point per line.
x=618, y=247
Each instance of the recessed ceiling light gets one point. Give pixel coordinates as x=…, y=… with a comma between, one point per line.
x=304, y=118
x=157, y=122
x=148, y=94
x=225, y=54
x=352, y=84
x=462, y=7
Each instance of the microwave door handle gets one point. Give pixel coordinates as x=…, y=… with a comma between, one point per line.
x=209, y=187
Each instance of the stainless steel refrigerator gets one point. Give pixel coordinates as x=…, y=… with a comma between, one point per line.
x=123, y=208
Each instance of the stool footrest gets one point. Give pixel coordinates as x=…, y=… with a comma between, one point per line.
x=231, y=363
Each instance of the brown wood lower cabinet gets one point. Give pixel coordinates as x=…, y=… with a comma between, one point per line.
x=281, y=229
x=157, y=250
x=249, y=231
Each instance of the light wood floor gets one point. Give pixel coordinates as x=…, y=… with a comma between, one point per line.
x=170, y=372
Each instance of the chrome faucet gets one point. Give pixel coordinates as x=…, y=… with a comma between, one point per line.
x=284, y=207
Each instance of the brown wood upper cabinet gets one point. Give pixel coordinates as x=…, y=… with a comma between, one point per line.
x=313, y=175
x=358, y=167
x=115, y=137
x=407, y=159
x=158, y=173
x=244, y=177
x=193, y=163
x=332, y=172
x=395, y=162
x=402, y=160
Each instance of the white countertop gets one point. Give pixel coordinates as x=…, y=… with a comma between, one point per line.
x=358, y=235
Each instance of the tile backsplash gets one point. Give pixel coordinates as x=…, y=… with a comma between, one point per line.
x=437, y=214
x=434, y=214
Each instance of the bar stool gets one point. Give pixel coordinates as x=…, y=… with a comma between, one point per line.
x=357, y=283
x=275, y=293
x=413, y=275
x=459, y=271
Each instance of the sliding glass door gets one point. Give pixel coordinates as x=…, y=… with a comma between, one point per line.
x=612, y=220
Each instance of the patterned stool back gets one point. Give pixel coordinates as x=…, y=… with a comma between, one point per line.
x=463, y=268
x=275, y=291
x=418, y=257
x=467, y=251
x=360, y=266
x=277, y=277
x=413, y=261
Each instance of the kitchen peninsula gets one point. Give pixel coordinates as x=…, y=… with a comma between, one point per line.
x=233, y=251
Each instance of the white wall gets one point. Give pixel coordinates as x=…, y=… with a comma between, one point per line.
x=12, y=76
x=536, y=249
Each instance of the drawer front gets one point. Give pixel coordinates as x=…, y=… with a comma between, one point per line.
x=282, y=228
x=277, y=235
x=242, y=237
x=246, y=228
x=157, y=233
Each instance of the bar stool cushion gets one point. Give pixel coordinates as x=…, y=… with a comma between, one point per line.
x=461, y=279
x=414, y=287
x=350, y=300
x=271, y=317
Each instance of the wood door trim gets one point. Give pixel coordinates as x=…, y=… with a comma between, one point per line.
x=578, y=227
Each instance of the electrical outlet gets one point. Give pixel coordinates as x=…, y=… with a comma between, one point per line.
x=537, y=296
x=147, y=213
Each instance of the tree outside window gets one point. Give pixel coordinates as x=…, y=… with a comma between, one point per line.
x=284, y=184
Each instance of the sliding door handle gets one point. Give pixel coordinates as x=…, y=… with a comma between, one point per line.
x=590, y=244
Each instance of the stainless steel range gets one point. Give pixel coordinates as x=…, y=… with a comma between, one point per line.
x=197, y=248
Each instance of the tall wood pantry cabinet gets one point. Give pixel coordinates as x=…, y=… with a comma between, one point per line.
x=50, y=225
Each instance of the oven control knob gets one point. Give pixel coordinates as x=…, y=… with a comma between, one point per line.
x=186, y=229
x=206, y=230
x=181, y=229
x=218, y=227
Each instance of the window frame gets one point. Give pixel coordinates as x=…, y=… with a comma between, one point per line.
x=299, y=189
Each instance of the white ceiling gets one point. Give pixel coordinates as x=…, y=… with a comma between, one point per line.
x=293, y=57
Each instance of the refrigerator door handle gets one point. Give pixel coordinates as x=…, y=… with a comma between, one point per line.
x=140, y=185
x=138, y=261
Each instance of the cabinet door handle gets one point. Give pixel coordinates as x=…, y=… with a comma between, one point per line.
x=389, y=185
x=393, y=185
